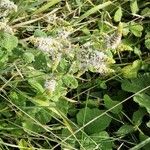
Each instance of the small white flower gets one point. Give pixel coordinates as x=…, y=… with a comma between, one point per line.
x=51, y=18
x=94, y=61
x=50, y=85
x=47, y=44
x=98, y=57
x=64, y=32
x=113, y=41
x=7, y=7
x=87, y=44
x=4, y=27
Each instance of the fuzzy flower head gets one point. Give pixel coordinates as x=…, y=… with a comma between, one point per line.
x=50, y=85
x=55, y=47
x=94, y=61
x=51, y=18
x=46, y=44
x=113, y=41
x=64, y=32
x=4, y=27
x=6, y=7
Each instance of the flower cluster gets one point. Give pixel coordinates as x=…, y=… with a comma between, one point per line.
x=64, y=32
x=4, y=27
x=6, y=7
x=46, y=44
x=94, y=61
x=113, y=41
x=50, y=85
x=55, y=47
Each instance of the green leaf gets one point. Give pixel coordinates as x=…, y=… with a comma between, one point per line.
x=143, y=100
x=36, y=85
x=62, y=105
x=22, y=145
x=118, y=15
x=125, y=30
x=86, y=114
x=142, y=138
x=8, y=41
x=125, y=129
x=137, y=84
x=71, y=142
x=63, y=66
x=138, y=116
x=141, y=145
x=148, y=124
x=137, y=51
x=147, y=36
x=136, y=29
x=146, y=12
x=17, y=99
x=147, y=43
x=28, y=57
x=40, y=62
x=39, y=33
x=131, y=71
x=134, y=6
x=101, y=139
x=70, y=81
x=109, y=103
x=43, y=116
x=29, y=126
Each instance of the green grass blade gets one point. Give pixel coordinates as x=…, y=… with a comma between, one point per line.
x=46, y=6
x=92, y=11
x=140, y=145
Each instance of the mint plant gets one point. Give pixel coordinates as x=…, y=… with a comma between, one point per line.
x=74, y=74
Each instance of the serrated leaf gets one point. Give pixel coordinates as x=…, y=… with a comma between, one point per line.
x=147, y=43
x=131, y=71
x=101, y=139
x=109, y=103
x=36, y=85
x=63, y=66
x=62, y=105
x=28, y=57
x=118, y=15
x=17, y=98
x=137, y=84
x=8, y=41
x=134, y=6
x=70, y=81
x=125, y=129
x=43, y=116
x=40, y=62
x=136, y=29
x=86, y=114
x=146, y=12
x=137, y=51
x=125, y=30
x=143, y=100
